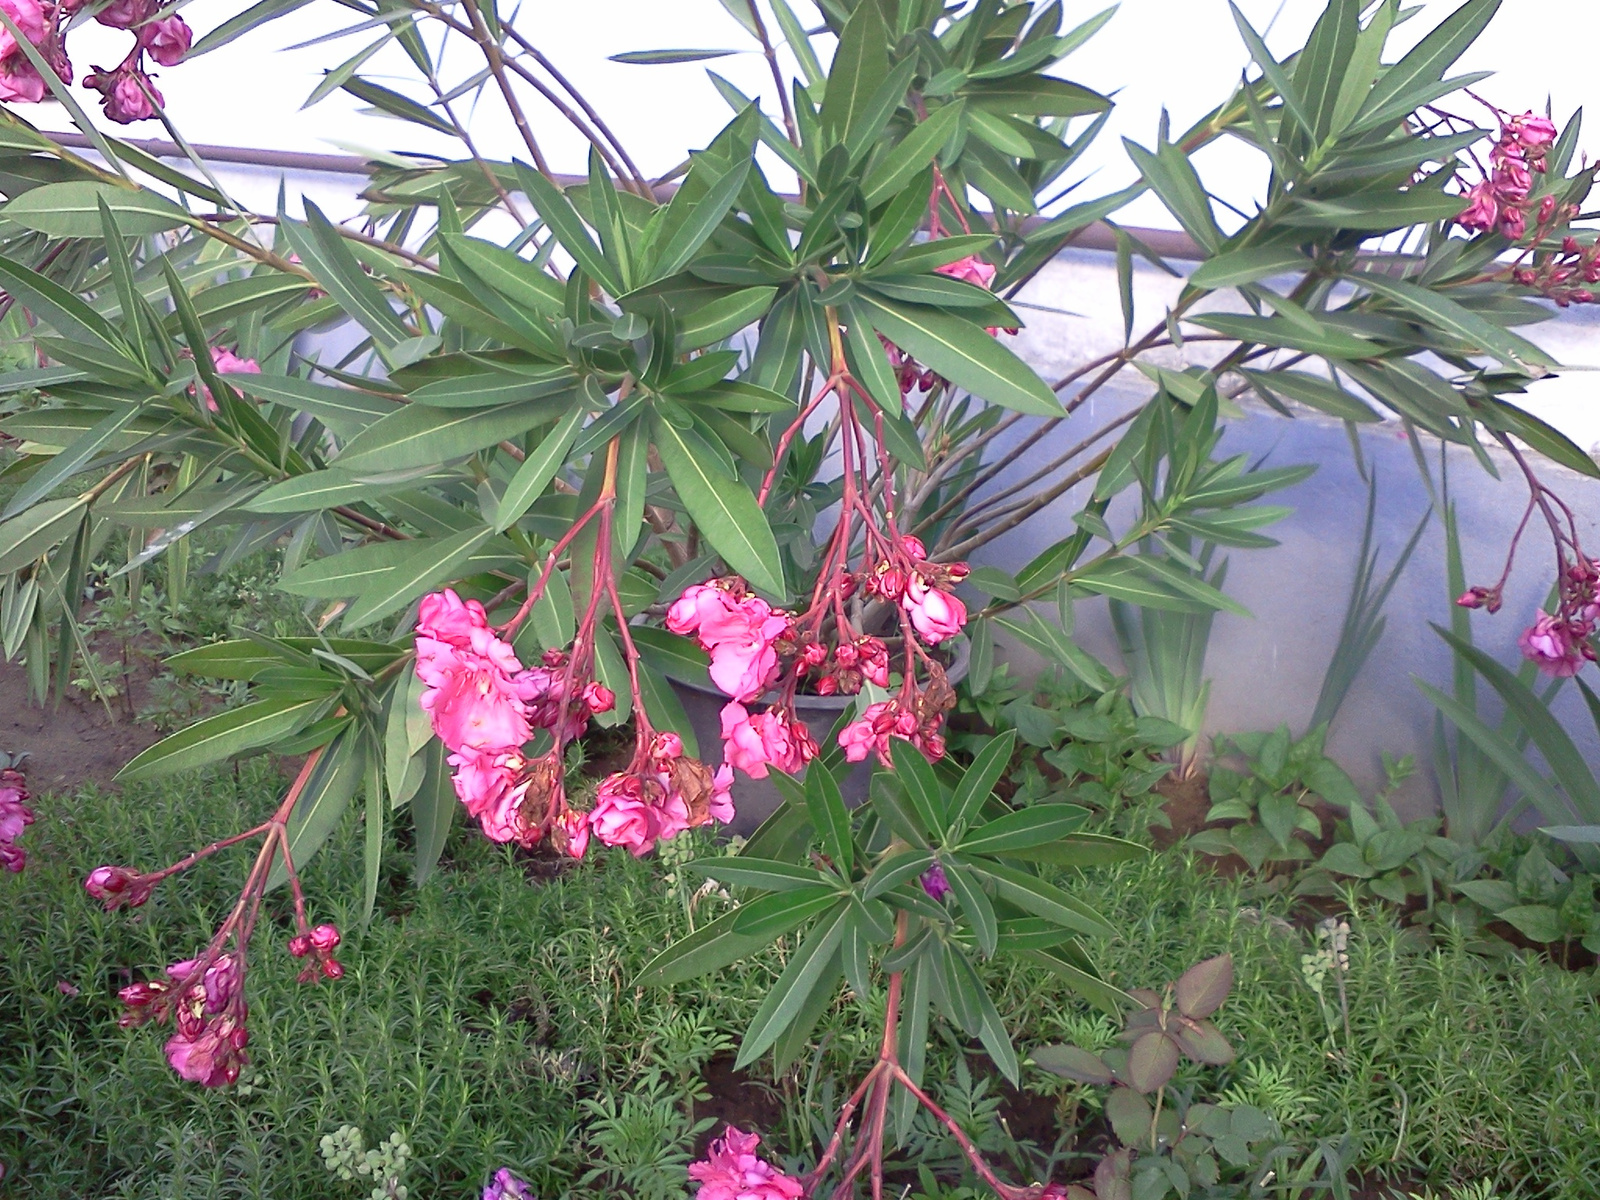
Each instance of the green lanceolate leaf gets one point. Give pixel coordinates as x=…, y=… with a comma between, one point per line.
x=1312, y=390
x=1172, y=177
x=328, y=257
x=1427, y=62
x=1025, y=827
x=219, y=737
x=724, y=509
x=977, y=784
x=537, y=470
x=767, y=874
x=433, y=809
x=563, y=220
x=419, y=436
x=829, y=817
x=709, y=948
x=343, y=410
x=958, y=350
x=72, y=210
x=1042, y=899
x=919, y=784
x=789, y=994
x=1234, y=267
x=1546, y=439
x=1456, y=320
x=64, y=312
x=432, y=562
x=915, y=151
x=327, y=793
x=71, y=460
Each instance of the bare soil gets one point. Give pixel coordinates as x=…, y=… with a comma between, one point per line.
x=72, y=742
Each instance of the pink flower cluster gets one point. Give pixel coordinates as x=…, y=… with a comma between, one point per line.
x=506, y=1185
x=922, y=588
x=731, y=1170
x=1559, y=276
x=208, y=1045
x=659, y=798
x=15, y=816
x=484, y=708
x=1500, y=201
x=1560, y=643
x=319, y=945
x=127, y=91
x=739, y=630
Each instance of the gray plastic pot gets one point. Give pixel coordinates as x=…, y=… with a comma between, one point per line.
x=755, y=800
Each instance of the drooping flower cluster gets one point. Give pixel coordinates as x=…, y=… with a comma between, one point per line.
x=753, y=647
x=204, y=995
x=731, y=1170
x=1500, y=200
x=1560, y=276
x=15, y=816
x=658, y=798
x=128, y=90
x=1560, y=643
x=484, y=707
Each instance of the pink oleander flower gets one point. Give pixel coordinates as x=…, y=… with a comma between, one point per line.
x=167, y=41
x=118, y=887
x=1483, y=212
x=127, y=94
x=29, y=17
x=935, y=614
x=226, y=362
x=15, y=816
x=125, y=14
x=739, y=635
x=476, y=687
x=507, y=1186
x=754, y=742
x=19, y=80
x=1549, y=643
x=211, y=1053
x=699, y=603
x=862, y=737
x=626, y=813
x=1534, y=134
x=970, y=269
x=722, y=809
x=571, y=834
x=492, y=784
x=732, y=1171
x=935, y=883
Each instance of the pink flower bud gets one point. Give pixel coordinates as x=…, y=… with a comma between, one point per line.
x=300, y=945
x=333, y=968
x=666, y=745
x=324, y=938
x=598, y=697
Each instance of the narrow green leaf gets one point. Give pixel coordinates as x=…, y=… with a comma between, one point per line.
x=789, y=994
x=724, y=509
x=894, y=170
x=829, y=817
x=537, y=470
x=216, y=738
x=432, y=562
x=419, y=436
x=977, y=784
x=433, y=809
x=327, y=794
x=958, y=350
x=568, y=228
x=1233, y=267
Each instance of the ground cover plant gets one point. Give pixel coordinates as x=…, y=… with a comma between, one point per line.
x=493, y=1020
x=704, y=431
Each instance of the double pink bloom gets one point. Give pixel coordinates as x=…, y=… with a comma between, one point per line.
x=732, y=1171
x=740, y=635
x=754, y=742
x=665, y=794
x=477, y=699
